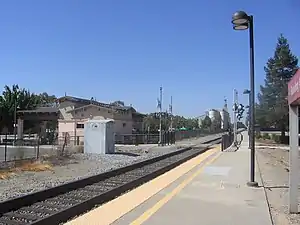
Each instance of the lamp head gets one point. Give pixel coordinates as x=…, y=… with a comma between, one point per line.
x=239, y=18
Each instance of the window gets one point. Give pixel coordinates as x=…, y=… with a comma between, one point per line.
x=99, y=109
x=82, y=115
x=124, y=124
x=84, y=109
x=80, y=125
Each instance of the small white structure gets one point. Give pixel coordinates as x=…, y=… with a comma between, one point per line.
x=99, y=137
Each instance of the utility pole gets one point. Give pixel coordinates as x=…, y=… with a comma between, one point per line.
x=160, y=116
x=15, y=121
x=171, y=114
x=235, y=104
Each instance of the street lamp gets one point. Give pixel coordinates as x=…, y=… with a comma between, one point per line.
x=247, y=92
x=241, y=21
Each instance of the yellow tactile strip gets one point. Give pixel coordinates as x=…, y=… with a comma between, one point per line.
x=118, y=207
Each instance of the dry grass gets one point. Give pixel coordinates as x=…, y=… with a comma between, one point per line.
x=26, y=166
x=36, y=167
x=5, y=175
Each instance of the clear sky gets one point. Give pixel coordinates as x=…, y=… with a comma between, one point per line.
x=125, y=49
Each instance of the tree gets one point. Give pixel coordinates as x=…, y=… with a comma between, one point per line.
x=272, y=109
x=206, y=123
x=151, y=122
x=16, y=98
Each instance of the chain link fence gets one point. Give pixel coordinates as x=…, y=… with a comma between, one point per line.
x=33, y=146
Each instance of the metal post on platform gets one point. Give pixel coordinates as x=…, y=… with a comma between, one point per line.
x=293, y=159
x=294, y=163
x=235, y=103
x=248, y=92
x=242, y=21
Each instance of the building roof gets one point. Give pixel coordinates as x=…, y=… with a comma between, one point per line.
x=89, y=105
x=41, y=110
x=93, y=102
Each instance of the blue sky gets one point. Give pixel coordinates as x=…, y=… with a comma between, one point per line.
x=125, y=49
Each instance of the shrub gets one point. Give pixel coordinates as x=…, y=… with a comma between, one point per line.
x=79, y=149
x=276, y=138
x=266, y=136
x=257, y=135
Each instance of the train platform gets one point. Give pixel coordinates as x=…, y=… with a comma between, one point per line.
x=209, y=189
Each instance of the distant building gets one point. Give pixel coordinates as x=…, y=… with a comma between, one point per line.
x=220, y=119
x=74, y=112
x=225, y=117
x=215, y=118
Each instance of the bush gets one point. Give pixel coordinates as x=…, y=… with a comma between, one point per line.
x=79, y=149
x=276, y=138
x=266, y=136
x=257, y=135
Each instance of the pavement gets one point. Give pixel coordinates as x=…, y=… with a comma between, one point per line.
x=209, y=189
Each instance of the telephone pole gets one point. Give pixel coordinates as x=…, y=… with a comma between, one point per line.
x=160, y=116
x=171, y=113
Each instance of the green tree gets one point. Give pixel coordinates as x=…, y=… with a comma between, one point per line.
x=151, y=122
x=13, y=98
x=272, y=109
x=206, y=123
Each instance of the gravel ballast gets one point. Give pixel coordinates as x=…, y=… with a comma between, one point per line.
x=78, y=166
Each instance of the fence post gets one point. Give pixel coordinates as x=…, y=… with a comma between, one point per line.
x=5, y=148
x=38, y=148
x=174, y=137
x=136, y=140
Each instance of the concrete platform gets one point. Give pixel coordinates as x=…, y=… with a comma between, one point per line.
x=208, y=190
x=216, y=195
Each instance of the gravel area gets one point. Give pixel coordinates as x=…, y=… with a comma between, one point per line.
x=78, y=166
x=274, y=168
x=64, y=170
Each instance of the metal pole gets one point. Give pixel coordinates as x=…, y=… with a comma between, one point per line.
x=252, y=181
x=15, y=121
x=171, y=114
x=249, y=124
x=160, y=116
x=235, y=103
x=293, y=159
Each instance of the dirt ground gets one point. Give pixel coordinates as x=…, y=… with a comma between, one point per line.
x=274, y=168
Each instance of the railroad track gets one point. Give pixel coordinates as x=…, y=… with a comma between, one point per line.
x=61, y=203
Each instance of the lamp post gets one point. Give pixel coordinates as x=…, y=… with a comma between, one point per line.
x=247, y=92
x=241, y=21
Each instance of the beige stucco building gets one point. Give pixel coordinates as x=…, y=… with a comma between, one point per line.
x=74, y=112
